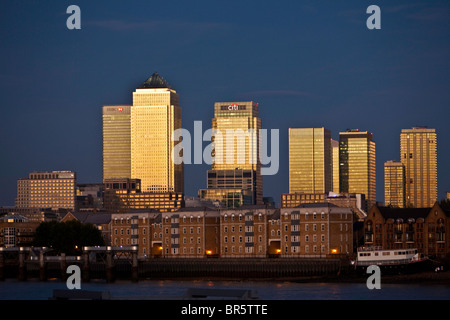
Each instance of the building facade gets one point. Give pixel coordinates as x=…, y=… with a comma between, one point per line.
x=122, y=195
x=357, y=164
x=189, y=232
x=116, y=126
x=256, y=231
x=17, y=231
x=404, y=228
x=394, y=184
x=56, y=190
x=237, y=142
x=137, y=138
x=418, y=153
x=310, y=160
x=309, y=230
x=155, y=115
x=243, y=231
x=335, y=161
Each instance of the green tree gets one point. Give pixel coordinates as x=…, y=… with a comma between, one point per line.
x=67, y=237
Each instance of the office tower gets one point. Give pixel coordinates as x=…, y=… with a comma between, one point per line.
x=155, y=115
x=357, y=164
x=394, y=184
x=310, y=160
x=335, y=160
x=116, y=122
x=54, y=190
x=418, y=153
x=237, y=148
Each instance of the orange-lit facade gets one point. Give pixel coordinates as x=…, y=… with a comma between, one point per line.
x=418, y=154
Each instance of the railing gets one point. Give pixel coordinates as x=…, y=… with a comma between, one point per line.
x=384, y=262
x=372, y=248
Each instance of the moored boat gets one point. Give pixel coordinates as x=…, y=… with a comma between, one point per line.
x=391, y=260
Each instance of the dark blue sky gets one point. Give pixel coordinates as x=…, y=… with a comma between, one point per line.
x=307, y=63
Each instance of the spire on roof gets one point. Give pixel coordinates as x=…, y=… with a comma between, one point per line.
x=155, y=81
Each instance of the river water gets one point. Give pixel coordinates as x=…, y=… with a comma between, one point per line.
x=267, y=290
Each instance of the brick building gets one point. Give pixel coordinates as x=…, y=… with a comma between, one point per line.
x=402, y=228
x=315, y=229
x=17, y=231
x=310, y=230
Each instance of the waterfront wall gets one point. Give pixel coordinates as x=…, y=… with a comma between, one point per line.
x=253, y=268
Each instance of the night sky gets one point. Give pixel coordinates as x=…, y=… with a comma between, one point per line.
x=307, y=64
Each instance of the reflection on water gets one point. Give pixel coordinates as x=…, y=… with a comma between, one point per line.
x=269, y=290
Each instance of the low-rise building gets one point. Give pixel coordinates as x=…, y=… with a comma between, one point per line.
x=319, y=229
x=17, y=231
x=403, y=228
x=310, y=230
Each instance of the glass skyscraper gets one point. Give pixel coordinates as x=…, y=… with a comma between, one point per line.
x=137, y=139
x=155, y=116
x=357, y=164
x=116, y=142
x=394, y=184
x=310, y=160
x=418, y=153
x=237, y=148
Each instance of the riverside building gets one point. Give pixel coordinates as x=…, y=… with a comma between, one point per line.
x=56, y=190
x=310, y=230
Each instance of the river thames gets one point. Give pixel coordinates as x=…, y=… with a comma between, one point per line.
x=264, y=290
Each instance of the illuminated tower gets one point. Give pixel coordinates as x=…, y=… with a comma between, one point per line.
x=237, y=160
x=116, y=122
x=310, y=160
x=418, y=153
x=357, y=164
x=155, y=115
x=394, y=184
x=335, y=160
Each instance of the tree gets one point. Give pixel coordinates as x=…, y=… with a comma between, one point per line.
x=67, y=237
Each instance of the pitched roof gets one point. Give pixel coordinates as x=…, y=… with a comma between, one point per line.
x=155, y=81
x=89, y=217
x=404, y=213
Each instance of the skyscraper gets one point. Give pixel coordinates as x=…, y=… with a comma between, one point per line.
x=394, y=184
x=418, y=153
x=155, y=115
x=335, y=160
x=137, y=139
x=237, y=148
x=116, y=142
x=357, y=164
x=310, y=160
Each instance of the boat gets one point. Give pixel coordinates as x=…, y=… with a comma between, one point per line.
x=391, y=260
